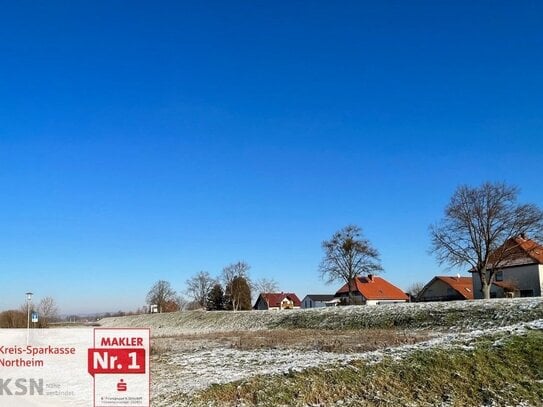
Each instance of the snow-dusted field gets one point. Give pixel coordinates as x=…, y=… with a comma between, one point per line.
x=182, y=370
x=185, y=366
x=458, y=315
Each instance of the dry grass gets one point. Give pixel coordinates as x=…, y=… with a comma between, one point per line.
x=498, y=373
x=299, y=339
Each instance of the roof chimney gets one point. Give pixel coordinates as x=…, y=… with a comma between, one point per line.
x=370, y=277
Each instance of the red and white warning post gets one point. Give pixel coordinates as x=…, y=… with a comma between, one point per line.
x=119, y=364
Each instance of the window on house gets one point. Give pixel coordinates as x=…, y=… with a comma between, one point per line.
x=499, y=276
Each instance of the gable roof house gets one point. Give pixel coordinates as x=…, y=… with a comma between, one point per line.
x=277, y=301
x=372, y=290
x=520, y=275
x=318, y=300
x=447, y=288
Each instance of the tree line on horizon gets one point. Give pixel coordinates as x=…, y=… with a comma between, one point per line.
x=477, y=222
x=232, y=290
x=18, y=318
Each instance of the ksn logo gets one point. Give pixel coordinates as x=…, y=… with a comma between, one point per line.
x=122, y=386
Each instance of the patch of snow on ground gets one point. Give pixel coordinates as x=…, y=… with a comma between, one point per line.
x=452, y=315
x=184, y=369
x=189, y=370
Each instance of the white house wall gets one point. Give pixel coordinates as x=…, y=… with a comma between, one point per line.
x=380, y=302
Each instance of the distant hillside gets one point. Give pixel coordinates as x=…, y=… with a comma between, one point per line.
x=457, y=315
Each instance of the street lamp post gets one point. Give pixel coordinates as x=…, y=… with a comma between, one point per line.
x=28, y=299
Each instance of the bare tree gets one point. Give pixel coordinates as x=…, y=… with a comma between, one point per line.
x=181, y=302
x=171, y=306
x=415, y=289
x=193, y=306
x=199, y=286
x=161, y=294
x=142, y=310
x=479, y=229
x=27, y=308
x=265, y=285
x=13, y=319
x=29, y=305
x=348, y=255
x=48, y=311
x=239, y=269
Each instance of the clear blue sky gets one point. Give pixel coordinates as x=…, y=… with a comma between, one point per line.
x=150, y=140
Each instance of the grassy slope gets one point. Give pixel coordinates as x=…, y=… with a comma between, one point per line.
x=505, y=375
x=459, y=314
x=506, y=372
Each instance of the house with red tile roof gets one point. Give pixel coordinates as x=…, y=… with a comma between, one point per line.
x=277, y=301
x=521, y=275
x=372, y=290
x=447, y=288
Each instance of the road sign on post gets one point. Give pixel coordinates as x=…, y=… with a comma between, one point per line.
x=34, y=317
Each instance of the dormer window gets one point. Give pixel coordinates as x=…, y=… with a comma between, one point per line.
x=499, y=276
